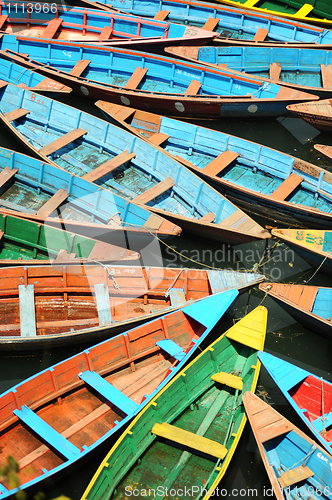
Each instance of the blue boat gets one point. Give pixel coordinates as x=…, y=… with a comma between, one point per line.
x=297, y=466
x=126, y=165
x=234, y=25
x=309, y=305
x=258, y=178
x=309, y=395
x=91, y=25
x=151, y=82
x=307, y=70
x=80, y=403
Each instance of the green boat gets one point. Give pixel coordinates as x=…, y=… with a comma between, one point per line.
x=181, y=443
x=23, y=242
x=307, y=11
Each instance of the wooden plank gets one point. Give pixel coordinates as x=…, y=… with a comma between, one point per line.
x=52, y=28
x=304, y=10
x=79, y=67
x=307, y=298
x=64, y=256
x=6, y=174
x=158, y=138
x=154, y=191
x=161, y=15
x=27, y=310
x=108, y=166
x=47, y=433
x=326, y=74
x=186, y=438
x=109, y=392
x=287, y=187
x=135, y=78
x=105, y=34
x=172, y=348
x=62, y=141
x=208, y=218
x=260, y=35
x=103, y=304
x=275, y=70
x=3, y=19
x=220, y=162
x=294, y=476
x=154, y=222
x=177, y=296
x=15, y=114
x=54, y=202
x=228, y=379
x=250, y=3
x=211, y=23
x=193, y=87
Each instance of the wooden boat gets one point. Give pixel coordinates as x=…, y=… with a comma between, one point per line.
x=307, y=70
x=88, y=303
x=309, y=395
x=18, y=75
x=192, y=426
x=312, y=11
x=89, y=25
x=80, y=403
x=35, y=190
x=258, y=178
x=23, y=242
x=324, y=150
x=312, y=245
x=309, y=305
x=127, y=166
x=235, y=26
x=297, y=467
x=150, y=82
x=319, y=115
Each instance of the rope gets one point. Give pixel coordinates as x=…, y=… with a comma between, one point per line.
x=318, y=268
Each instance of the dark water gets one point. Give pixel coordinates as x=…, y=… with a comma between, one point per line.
x=285, y=338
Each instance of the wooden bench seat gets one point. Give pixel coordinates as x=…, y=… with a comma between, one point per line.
x=6, y=174
x=220, y=162
x=326, y=74
x=154, y=222
x=135, y=78
x=260, y=35
x=177, y=296
x=62, y=141
x=193, y=87
x=3, y=19
x=27, y=310
x=47, y=433
x=208, y=218
x=275, y=70
x=158, y=138
x=161, y=15
x=186, y=438
x=172, y=348
x=228, y=379
x=304, y=10
x=287, y=187
x=16, y=114
x=154, y=191
x=103, y=304
x=105, y=34
x=294, y=476
x=211, y=23
x=109, y=392
x=108, y=166
x=79, y=67
x=52, y=28
x=53, y=203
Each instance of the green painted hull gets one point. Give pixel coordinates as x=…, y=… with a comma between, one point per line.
x=140, y=461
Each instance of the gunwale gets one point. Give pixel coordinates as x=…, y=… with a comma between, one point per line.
x=53, y=391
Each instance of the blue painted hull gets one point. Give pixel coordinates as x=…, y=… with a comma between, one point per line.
x=198, y=311
x=165, y=88
x=235, y=25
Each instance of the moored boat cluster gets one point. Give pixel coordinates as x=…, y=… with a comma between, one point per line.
x=91, y=194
